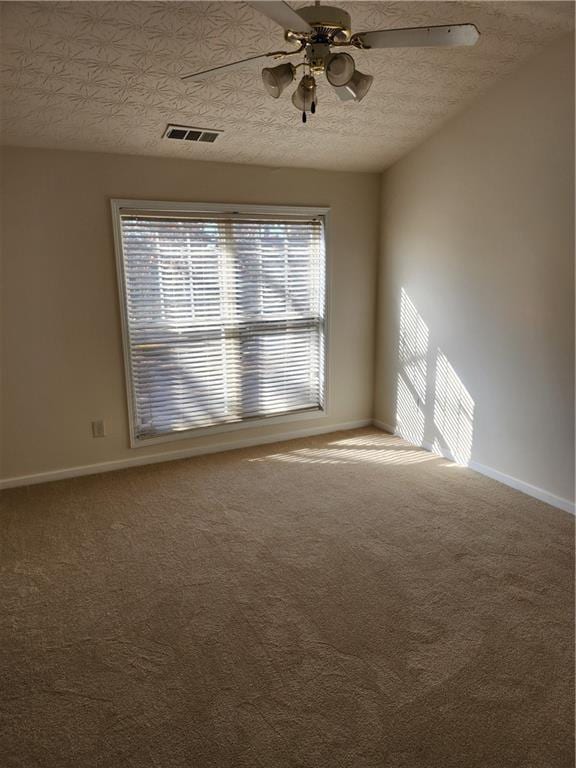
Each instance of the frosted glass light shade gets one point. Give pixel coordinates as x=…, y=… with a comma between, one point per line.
x=339, y=69
x=276, y=79
x=359, y=85
x=305, y=95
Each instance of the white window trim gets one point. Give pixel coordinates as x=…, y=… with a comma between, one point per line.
x=120, y=204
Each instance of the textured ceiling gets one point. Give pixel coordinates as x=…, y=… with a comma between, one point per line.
x=104, y=76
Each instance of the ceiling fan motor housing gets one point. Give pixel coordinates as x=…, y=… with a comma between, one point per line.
x=330, y=24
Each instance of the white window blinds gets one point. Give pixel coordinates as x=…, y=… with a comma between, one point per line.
x=224, y=317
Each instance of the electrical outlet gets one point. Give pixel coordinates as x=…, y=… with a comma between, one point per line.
x=98, y=428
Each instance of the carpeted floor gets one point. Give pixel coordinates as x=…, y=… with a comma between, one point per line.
x=344, y=601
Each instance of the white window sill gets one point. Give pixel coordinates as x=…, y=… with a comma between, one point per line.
x=255, y=423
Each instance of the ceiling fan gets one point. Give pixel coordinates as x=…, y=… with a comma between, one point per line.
x=316, y=29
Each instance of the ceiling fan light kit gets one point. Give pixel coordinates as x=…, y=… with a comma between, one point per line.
x=316, y=29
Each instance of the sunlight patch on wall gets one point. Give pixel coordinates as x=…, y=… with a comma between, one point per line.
x=412, y=359
x=409, y=414
x=432, y=403
x=453, y=412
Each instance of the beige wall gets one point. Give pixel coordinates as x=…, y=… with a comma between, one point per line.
x=62, y=358
x=477, y=228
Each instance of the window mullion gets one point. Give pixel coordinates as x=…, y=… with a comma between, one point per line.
x=229, y=313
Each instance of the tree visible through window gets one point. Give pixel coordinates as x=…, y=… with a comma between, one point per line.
x=224, y=317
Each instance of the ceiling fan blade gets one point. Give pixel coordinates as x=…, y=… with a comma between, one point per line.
x=233, y=65
x=282, y=14
x=419, y=37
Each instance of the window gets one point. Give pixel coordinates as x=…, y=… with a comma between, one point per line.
x=223, y=314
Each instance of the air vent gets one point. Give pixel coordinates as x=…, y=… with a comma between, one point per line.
x=188, y=133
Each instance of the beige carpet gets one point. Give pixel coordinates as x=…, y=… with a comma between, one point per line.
x=337, y=602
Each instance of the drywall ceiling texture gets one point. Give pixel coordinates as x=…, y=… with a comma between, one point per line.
x=105, y=76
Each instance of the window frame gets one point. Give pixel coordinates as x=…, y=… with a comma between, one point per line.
x=118, y=205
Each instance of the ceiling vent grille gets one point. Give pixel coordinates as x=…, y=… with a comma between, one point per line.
x=189, y=133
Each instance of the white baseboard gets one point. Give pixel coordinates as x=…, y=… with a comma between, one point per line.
x=183, y=453
x=384, y=427
x=513, y=482
x=520, y=485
